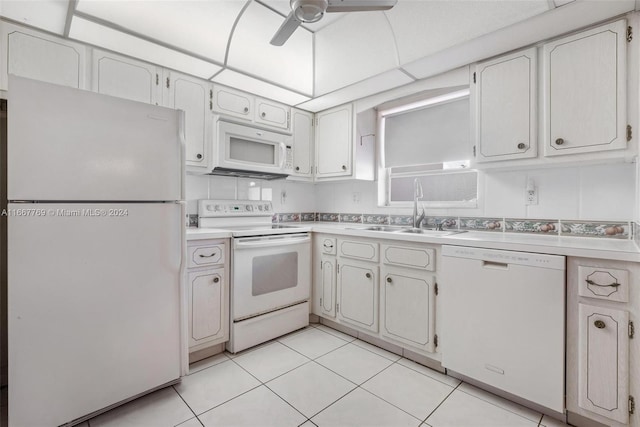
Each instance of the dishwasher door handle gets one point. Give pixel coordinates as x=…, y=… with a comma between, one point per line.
x=495, y=265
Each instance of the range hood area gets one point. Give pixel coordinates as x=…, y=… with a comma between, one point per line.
x=240, y=173
x=343, y=57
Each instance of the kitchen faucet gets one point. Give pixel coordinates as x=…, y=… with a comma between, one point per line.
x=417, y=194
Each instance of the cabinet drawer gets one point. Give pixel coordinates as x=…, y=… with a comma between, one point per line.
x=603, y=283
x=403, y=256
x=366, y=251
x=205, y=255
x=329, y=245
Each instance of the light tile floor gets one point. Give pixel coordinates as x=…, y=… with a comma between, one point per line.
x=318, y=377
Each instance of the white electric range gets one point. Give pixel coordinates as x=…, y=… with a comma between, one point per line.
x=270, y=270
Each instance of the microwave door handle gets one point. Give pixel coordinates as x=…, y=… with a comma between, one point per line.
x=283, y=154
x=239, y=244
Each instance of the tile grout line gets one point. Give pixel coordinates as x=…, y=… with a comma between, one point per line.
x=498, y=406
x=185, y=402
x=440, y=404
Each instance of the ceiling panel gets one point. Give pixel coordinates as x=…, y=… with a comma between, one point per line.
x=353, y=48
x=117, y=41
x=290, y=65
x=259, y=87
x=200, y=27
x=385, y=81
x=49, y=15
x=423, y=28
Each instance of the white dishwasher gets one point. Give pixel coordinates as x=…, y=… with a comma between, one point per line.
x=503, y=317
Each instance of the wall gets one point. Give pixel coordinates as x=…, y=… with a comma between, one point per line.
x=603, y=192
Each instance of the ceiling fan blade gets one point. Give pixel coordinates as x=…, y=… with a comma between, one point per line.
x=286, y=29
x=359, y=5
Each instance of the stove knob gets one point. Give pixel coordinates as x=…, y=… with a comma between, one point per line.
x=266, y=208
x=218, y=208
x=260, y=207
x=210, y=208
x=249, y=208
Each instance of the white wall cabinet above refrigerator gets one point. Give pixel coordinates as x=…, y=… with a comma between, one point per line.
x=504, y=100
x=126, y=78
x=39, y=56
x=585, y=91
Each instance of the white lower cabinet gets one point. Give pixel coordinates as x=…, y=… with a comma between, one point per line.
x=358, y=294
x=407, y=307
x=207, y=294
x=603, y=375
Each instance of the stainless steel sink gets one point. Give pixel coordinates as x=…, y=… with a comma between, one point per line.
x=430, y=231
x=382, y=228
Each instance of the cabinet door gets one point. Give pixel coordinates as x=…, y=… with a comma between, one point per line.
x=585, y=91
x=272, y=114
x=603, y=375
x=407, y=307
x=126, y=78
x=505, y=107
x=41, y=57
x=232, y=102
x=327, y=287
x=207, y=307
x=302, y=127
x=334, y=142
x=193, y=96
x=358, y=294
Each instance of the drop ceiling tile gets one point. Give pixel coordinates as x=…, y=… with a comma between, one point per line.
x=354, y=48
x=422, y=28
x=108, y=38
x=200, y=27
x=48, y=15
x=290, y=65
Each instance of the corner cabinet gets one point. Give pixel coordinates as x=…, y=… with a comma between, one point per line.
x=39, y=56
x=585, y=69
x=504, y=99
x=195, y=98
x=334, y=142
x=302, y=128
x=207, y=293
x=126, y=78
x=601, y=356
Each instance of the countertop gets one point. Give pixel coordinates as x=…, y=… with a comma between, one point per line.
x=588, y=247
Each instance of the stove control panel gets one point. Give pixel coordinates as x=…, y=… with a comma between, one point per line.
x=233, y=208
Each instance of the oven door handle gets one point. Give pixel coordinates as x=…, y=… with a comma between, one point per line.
x=263, y=243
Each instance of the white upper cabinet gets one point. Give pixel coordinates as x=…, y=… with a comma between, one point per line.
x=195, y=98
x=334, y=142
x=38, y=56
x=272, y=113
x=232, y=102
x=584, y=82
x=505, y=103
x=127, y=78
x=302, y=128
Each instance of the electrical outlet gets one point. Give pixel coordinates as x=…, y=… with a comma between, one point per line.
x=531, y=196
x=193, y=220
x=356, y=197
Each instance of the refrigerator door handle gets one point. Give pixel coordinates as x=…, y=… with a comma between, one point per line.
x=183, y=155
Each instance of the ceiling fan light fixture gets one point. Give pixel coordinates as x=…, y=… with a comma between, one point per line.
x=309, y=11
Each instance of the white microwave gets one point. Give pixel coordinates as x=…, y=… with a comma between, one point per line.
x=247, y=151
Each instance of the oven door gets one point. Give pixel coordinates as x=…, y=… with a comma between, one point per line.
x=270, y=272
x=247, y=148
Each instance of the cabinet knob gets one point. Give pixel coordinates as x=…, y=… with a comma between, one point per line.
x=368, y=275
x=344, y=168
x=599, y=324
x=246, y=109
x=559, y=141
x=216, y=279
x=389, y=280
x=198, y=156
x=263, y=114
x=522, y=146
x=297, y=168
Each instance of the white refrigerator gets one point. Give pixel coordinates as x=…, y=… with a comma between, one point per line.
x=95, y=248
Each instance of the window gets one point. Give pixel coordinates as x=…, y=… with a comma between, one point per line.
x=428, y=140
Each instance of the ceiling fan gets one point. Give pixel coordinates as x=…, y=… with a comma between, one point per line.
x=309, y=11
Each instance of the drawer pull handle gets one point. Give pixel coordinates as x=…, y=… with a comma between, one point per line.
x=610, y=285
x=368, y=275
x=599, y=324
x=207, y=256
x=389, y=280
x=328, y=246
x=216, y=279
